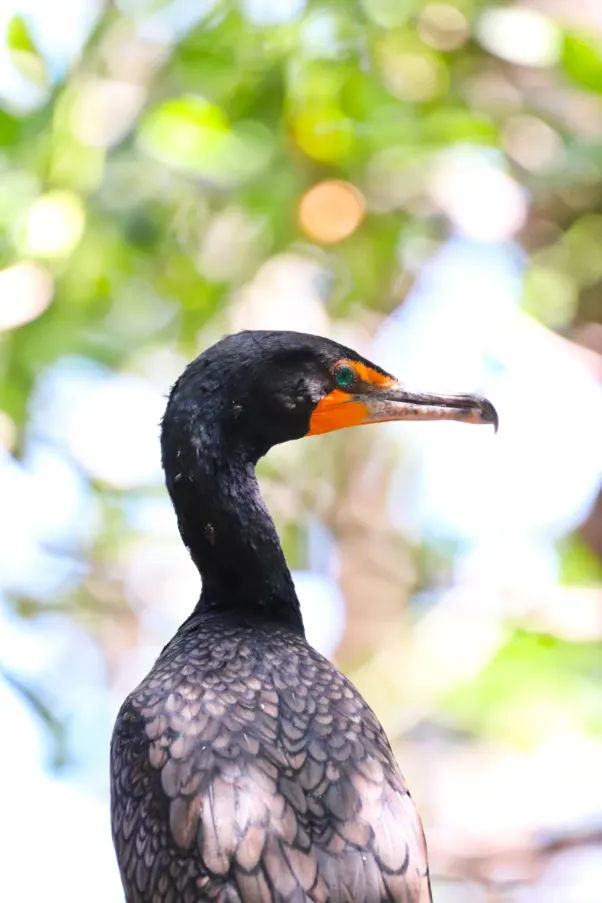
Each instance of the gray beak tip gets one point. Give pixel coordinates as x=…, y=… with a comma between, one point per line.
x=489, y=414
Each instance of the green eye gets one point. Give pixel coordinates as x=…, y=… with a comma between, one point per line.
x=345, y=376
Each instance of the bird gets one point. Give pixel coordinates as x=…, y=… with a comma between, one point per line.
x=245, y=768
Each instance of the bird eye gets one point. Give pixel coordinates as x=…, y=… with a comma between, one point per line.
x=345, y=376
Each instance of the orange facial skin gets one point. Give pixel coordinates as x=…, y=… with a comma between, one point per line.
x=371, y=377
x=336, y=411
x=341, y=407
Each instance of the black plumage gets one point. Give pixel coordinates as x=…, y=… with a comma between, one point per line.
x=245, y=768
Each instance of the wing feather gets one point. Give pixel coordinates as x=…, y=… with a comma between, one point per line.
x=236, y=784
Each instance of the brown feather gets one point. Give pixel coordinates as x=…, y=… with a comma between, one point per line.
x=184, y=814
x=298, y=802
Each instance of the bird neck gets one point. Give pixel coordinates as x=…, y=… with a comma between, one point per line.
x=230, y=535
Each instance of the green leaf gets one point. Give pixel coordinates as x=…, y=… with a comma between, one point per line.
x=579, y=566
x=194, y=135
x=582, y=60
x=18, y=36
x=9, y=129
x=25, y=56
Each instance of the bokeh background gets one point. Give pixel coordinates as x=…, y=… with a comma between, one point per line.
x=421, y=179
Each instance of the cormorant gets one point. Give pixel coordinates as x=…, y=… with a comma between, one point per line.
x=245, y=768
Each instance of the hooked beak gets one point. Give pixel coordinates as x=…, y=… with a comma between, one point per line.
x=396, y=403
x=393, y=402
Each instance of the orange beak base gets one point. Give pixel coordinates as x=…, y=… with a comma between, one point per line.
x=336, y=411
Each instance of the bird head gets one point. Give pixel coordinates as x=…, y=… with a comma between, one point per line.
x=265, y=388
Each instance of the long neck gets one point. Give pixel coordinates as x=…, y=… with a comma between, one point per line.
x=229, y=533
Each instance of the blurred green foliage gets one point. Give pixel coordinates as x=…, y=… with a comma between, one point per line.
x=536, y=685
